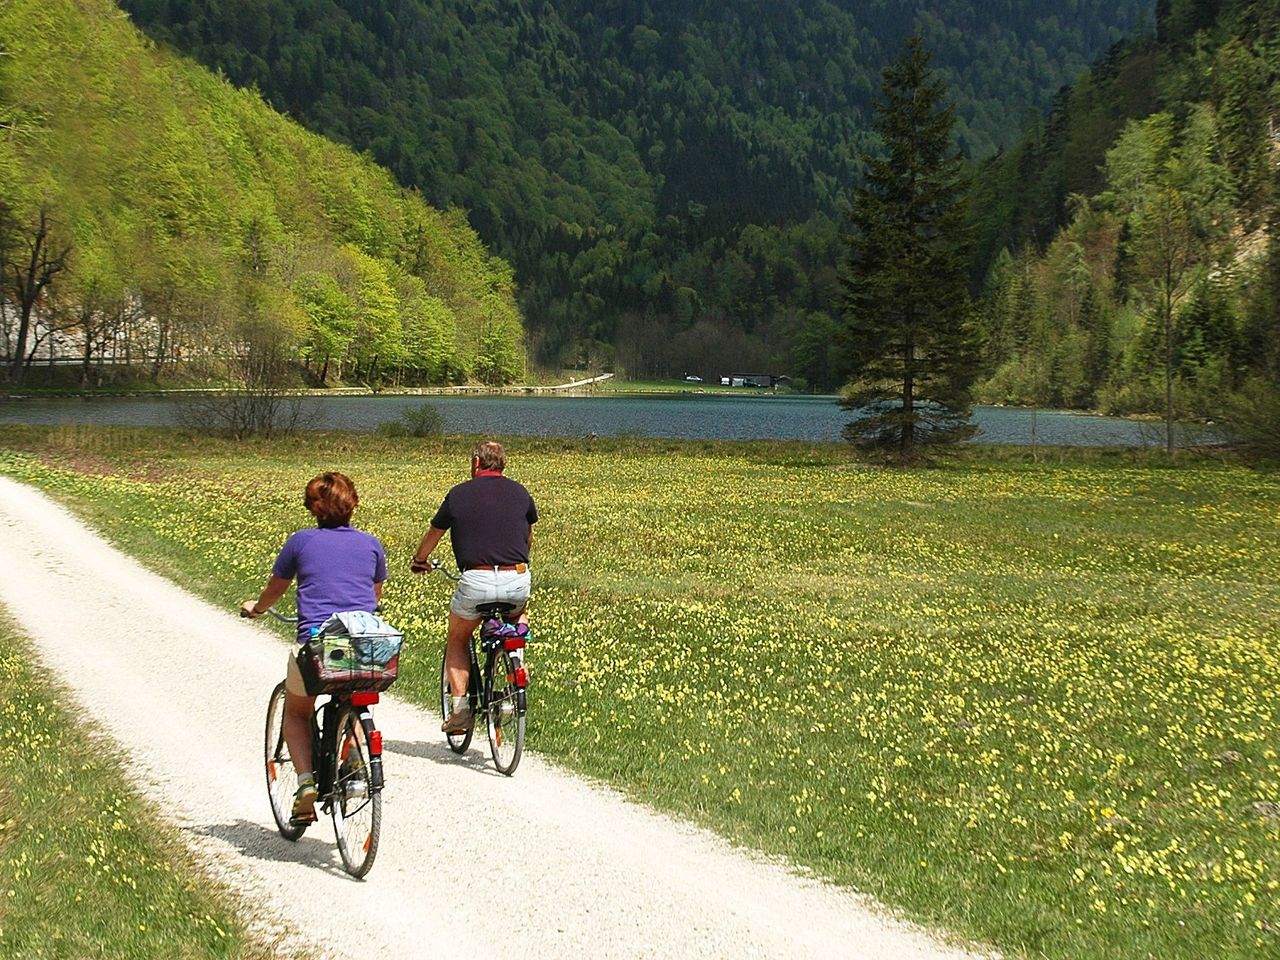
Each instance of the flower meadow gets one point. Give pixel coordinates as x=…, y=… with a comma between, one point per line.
x=1034, y=704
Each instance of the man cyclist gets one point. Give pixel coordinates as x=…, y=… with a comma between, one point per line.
x=491, y=518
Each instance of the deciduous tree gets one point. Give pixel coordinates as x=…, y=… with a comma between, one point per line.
x=31, y=255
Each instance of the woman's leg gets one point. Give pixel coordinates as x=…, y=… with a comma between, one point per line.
x=297, y=730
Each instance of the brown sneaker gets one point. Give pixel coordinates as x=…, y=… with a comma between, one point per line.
x=459, y=721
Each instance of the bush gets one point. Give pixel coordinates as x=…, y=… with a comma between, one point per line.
x=421, y=421
x=259, y=401
x=1253, y=420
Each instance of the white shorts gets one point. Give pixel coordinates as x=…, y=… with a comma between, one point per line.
x=490, y=586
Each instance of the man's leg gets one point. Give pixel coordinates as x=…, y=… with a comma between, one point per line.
x=457, y=658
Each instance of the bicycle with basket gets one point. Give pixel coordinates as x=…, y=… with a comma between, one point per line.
x=352, y=669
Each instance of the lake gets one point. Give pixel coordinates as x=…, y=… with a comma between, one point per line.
x=717, y=417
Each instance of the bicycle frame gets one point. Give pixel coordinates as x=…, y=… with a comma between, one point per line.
x=326, y=756
x=490, y=645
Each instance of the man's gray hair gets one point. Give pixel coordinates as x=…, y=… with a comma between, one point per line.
x=489, y=456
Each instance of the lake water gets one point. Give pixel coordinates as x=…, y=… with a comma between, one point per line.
x=684, y=417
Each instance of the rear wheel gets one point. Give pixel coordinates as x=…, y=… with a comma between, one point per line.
x=282, y=778
x=458, y=742
x=357, y=807
x=504, y=712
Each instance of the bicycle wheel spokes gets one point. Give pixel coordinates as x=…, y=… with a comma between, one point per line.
x=458, y=742
x=356, y=806
x=282, y=778
x=503, y=716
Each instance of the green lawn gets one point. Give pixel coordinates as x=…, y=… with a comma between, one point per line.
x=1033, y=703
x=86, y=868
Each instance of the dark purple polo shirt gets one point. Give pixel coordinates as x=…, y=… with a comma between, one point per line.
x=489, y=516
x=336, y=568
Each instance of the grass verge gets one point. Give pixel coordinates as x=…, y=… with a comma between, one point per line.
x=1034, y=702
x=86, y=868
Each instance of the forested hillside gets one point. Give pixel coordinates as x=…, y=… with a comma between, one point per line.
x=665, y=176
x=1128, y=244
x=153, y=212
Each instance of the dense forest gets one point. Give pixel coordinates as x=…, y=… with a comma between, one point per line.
x=668, y=182
x=667, y=178
x=152, y=213
x=1126, y=246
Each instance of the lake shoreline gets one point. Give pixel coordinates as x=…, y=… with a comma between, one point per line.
x=701, y=418
x=527, y=390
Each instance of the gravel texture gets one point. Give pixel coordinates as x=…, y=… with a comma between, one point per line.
x=537, y=865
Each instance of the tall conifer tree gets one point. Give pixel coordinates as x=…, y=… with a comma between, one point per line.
x=908, y=342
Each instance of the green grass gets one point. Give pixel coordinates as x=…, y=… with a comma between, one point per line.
x=86, y=868
x=1032, y=702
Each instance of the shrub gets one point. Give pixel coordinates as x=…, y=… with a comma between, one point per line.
x=1253, y=420
x=421, y=421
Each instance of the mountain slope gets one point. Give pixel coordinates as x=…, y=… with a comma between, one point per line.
x=199, y=222
x=1128, y=241
x=618, y=153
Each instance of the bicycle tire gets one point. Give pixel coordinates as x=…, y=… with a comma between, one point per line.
x=458, y=742
x=356, y=807
x=282, y=777
x=503, y=712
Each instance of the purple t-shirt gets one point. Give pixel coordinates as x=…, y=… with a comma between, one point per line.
x=336, y=568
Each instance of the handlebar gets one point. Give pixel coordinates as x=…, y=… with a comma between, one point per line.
x=431, y=565
x=279, y=616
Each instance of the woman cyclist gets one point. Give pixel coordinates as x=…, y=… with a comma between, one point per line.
x=338, y=568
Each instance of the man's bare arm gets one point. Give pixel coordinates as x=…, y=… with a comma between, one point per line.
x=422, y=555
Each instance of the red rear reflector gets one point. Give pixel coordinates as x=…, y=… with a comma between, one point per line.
x=363, y=698
x=522, y=677
x=375, y=743
x=513, y=643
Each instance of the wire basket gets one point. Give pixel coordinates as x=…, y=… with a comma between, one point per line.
x=334, y=664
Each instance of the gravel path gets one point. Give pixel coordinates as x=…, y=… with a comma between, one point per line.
x=569, y=865
x=581, y=383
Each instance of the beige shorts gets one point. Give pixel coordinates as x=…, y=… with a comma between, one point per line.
x=293, y=676
x=490, y=586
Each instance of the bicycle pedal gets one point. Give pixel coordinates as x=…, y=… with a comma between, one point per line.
x=303, y=820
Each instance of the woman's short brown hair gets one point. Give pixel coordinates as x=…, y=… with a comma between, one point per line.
x=331, y=498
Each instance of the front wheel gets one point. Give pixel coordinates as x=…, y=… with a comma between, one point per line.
x=282, y=778
x=357, y=803
x=458, y=742
x=504, y=712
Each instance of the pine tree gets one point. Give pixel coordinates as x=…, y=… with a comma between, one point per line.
x=1097, y=325
x=908, y=342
